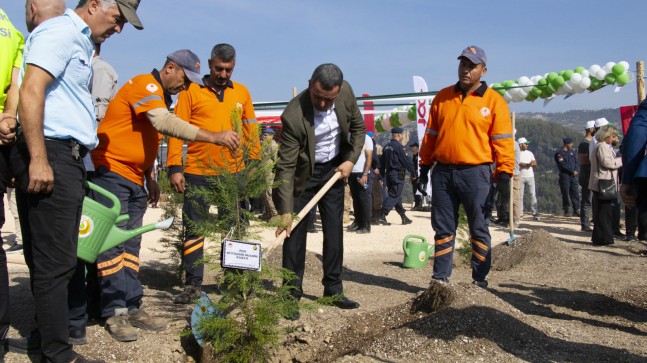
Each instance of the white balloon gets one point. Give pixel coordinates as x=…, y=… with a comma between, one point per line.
x=607, y=67
x=523, y=93
x=576, y=78
x=523, y=81
x=625, y=64
x=560, y=91
x=507, y=97
x=586, y=82
x=585, y=73
x=594, y=69
x=568, y=86
x=577, y=88
x=600, y=74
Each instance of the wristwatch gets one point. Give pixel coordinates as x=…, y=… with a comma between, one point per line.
x=365, y=174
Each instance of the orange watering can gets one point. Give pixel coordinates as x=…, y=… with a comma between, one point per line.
x=98, y=231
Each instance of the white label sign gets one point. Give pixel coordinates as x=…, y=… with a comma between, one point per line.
x=241, y=254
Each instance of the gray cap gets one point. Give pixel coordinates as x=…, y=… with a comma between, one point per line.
x=475, y=54
x=397, y=130
x=128, y=9
x=189, y=62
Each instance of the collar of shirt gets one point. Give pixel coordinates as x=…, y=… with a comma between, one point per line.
x=168, y=100
x=219, y=94
x=79, y=23
x=479, y=91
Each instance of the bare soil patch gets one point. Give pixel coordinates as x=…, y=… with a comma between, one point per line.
x=552, y=297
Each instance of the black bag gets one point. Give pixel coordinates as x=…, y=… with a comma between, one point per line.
x=607, y=189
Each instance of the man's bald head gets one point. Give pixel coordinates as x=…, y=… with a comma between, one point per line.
x=37, y=11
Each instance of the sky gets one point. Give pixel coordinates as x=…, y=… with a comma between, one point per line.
x=380, y=45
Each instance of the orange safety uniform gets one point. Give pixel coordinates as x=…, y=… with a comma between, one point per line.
x=212, y=111
x=469, y=131
x=206, y=109
x=128, y=142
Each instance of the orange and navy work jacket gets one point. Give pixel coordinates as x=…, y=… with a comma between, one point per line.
x=128, y=142
x=469, y=130
x=212, y=111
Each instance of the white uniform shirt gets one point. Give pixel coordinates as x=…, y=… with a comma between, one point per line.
x=359, y=165
x=526, y=157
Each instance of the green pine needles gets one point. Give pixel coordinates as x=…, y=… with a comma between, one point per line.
x=246, y=326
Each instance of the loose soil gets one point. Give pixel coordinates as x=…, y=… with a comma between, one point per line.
x=552, y=296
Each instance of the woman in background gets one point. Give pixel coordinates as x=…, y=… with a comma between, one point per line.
x=604, y=165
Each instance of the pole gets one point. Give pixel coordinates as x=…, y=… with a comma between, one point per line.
x=294, y=91
x=511, y=199
x=640, y=80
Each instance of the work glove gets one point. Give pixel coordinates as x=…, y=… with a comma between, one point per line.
x=423, y=176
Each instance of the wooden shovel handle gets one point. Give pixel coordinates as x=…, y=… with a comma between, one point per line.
x=305, y=210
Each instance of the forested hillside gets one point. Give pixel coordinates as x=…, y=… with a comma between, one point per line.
x=545, y=139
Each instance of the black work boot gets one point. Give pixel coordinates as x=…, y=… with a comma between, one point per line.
x=382, y=219
x=417, y=200
x=406, y=220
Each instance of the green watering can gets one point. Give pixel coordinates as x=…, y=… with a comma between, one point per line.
x=98, y=231
x=416, y=251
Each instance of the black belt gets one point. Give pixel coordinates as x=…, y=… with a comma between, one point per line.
x=336, y=160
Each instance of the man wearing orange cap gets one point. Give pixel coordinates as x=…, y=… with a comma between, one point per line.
x=469, y=128
x=129, y=138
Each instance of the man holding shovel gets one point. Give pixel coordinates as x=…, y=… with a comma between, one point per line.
x=323, y=133
x=469, y=128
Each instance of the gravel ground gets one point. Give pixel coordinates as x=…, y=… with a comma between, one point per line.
x=552, y=297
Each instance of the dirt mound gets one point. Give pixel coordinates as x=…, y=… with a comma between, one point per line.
x=537, y=248
x=437, y=297
x=451, y=330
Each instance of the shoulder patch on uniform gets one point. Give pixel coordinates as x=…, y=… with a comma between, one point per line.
x=485, y=112
x=152, y=87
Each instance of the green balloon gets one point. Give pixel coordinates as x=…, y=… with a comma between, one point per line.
x=551, y=89
x=596, y=84
x=394, y=120
x=542, y=81
x=618, y=69
x=412, y=114
x=622, y=79
x=531, y=97
x=610, y=78
x=557, y=82
x=579, y=69
x=507, y=84
x=567, y=75
x=535, y=91
x=551, y=76
x=496, y=86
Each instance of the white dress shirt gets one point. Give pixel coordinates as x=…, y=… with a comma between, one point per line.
x=327, y=135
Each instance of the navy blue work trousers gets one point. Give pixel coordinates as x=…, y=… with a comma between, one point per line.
x=472, y=187
x=195, y=209
x=118, y=267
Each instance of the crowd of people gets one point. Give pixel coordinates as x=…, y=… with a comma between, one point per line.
x=75, y=127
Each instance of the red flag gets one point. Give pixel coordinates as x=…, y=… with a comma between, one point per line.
x=369, y=118
x=626, y=114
